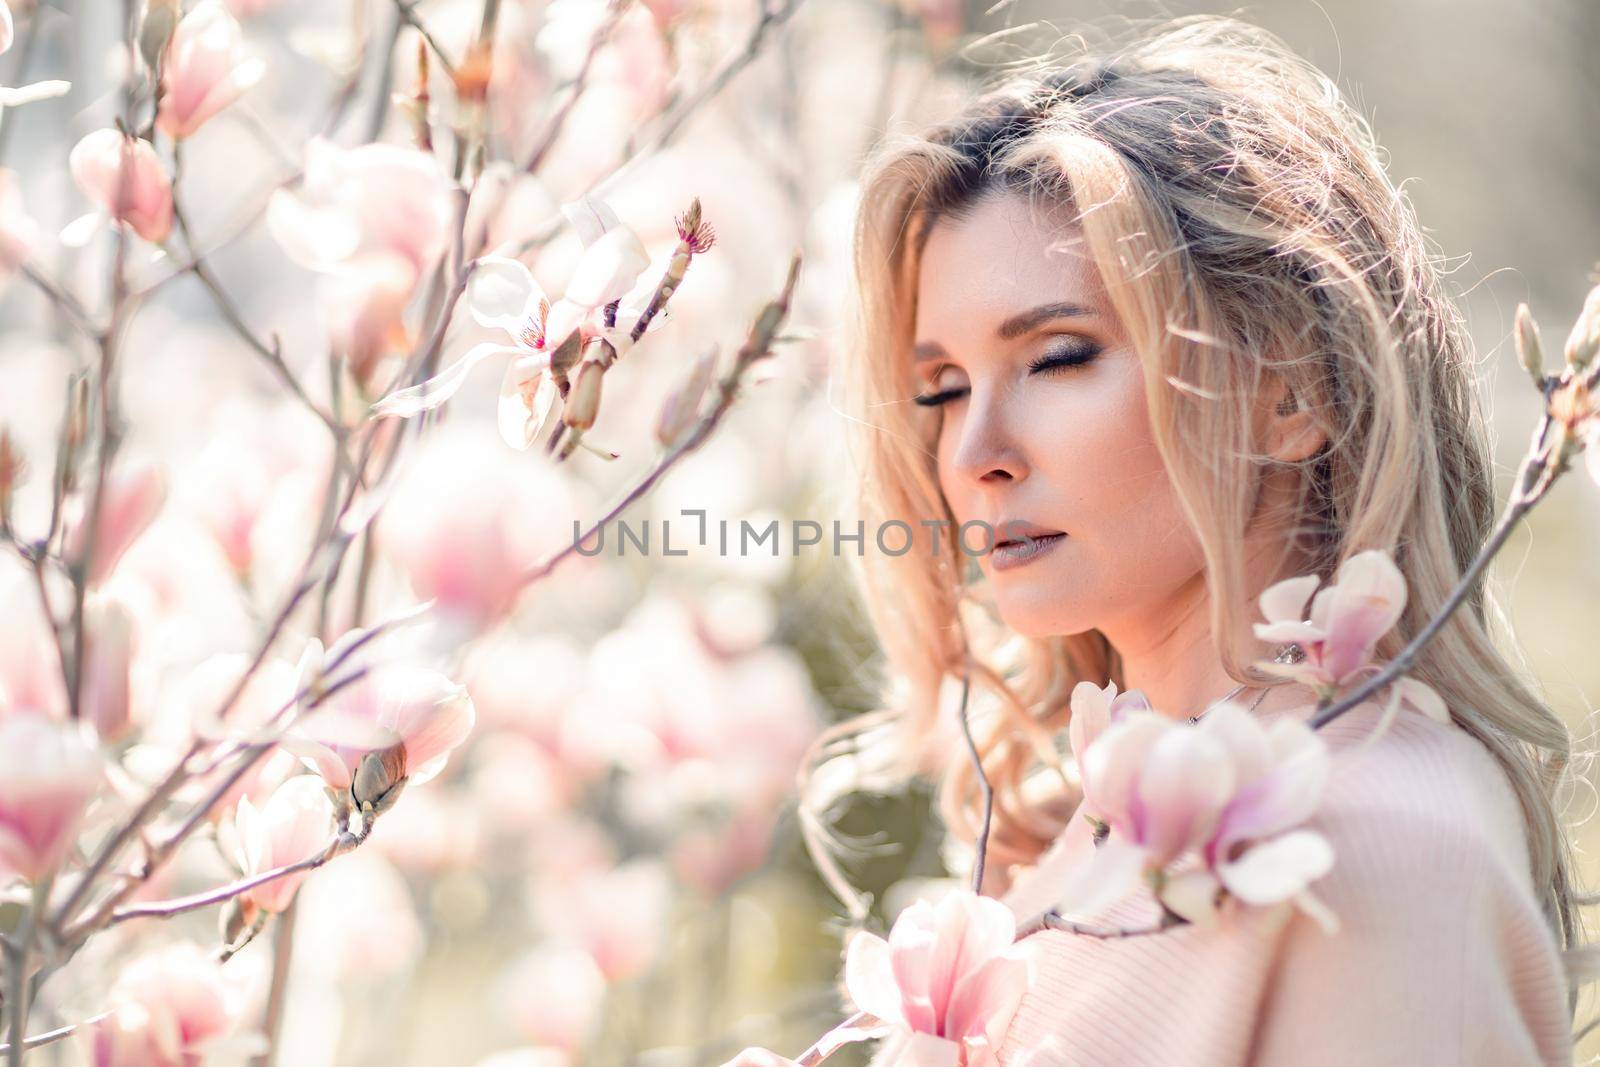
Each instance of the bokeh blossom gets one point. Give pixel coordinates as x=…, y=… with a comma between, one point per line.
x=48, y=775
x=206, y=68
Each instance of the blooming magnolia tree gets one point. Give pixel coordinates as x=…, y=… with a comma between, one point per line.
x=231, y=657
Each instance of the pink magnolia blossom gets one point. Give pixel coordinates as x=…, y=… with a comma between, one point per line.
x=8, y=29
x=409, y=718
x=357, y=201
x=1348, y=617
x=48, y=775
x=126, y=180
x=206, y=68
x=134, y=495
x=19, y=231
x=504, y=296
x=109, y=636
x=375, y=219
x=1232, y=791
x=1095, y=708
x=295, y=824
x=946, y=982
x=169, y=1008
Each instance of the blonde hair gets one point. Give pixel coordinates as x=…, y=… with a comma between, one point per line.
x=1238, y=210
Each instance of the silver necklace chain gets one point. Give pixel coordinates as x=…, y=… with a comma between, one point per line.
x=1290, y=653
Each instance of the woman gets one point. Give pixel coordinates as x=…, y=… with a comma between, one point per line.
x=1163, y=311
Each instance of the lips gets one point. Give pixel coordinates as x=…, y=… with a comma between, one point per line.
x=1019, y=532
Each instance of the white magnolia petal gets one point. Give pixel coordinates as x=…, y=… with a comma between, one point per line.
x=1313, y=906
x=27, y=94
x=1193, y=895
x=317, y=237
x=503, y=294
x=405, y=403
x=81, y=230
x=1104, y=879
x=1275, y=870
x=590, y=217
x=608, y=269
x=565, y=316
x=519, y=423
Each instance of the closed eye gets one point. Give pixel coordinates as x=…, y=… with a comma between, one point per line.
x=1059, y=358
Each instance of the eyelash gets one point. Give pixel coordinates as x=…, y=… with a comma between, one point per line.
x=1062, y=357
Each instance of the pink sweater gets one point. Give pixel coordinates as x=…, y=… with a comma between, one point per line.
x=1443, y=956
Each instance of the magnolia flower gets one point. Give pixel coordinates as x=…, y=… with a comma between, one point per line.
x=125, y=179
x=1347, y=619
x=945, y=984
x=295, y=824
x=374, y=219
x=397, y=724
x=169, y=1008
x=503, y=295
x=134, y=495
x=48, y=775
x=1232, y=789
x=206, y=68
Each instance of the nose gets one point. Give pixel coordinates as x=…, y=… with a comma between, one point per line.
x=985, y=454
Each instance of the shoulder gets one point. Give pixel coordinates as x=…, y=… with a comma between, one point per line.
x=1418, y=803
x=1440, y=928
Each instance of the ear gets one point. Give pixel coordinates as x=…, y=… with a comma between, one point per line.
x=1291, y=432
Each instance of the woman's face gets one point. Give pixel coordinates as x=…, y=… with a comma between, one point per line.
x=1043, y=424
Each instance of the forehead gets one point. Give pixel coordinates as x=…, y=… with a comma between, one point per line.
x=1004, y=256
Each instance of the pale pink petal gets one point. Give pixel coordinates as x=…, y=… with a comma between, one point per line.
x=869, y=977
x=1274, y=870
x=985, y=999
x=1286, y=600
x=1112, y=765
x=922, y=1049
x=1301, y=633
x=440, y=731
x=971, y=930
x=322, y=759
x=1422, y=696
x=1186, y=781
x=8, y=31
x=404, y=403
x=911, y=944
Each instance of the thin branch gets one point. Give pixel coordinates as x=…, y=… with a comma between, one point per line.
x=758, y=345
x=409, y=16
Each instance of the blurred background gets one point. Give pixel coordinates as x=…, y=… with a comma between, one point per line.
x=610, y=870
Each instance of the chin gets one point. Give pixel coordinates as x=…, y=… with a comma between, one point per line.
x=1035, y=616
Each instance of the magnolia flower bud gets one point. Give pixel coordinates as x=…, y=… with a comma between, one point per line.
x=1584, y=341
x=682, y=408
x=379, y=779
x=155, y=30
x=1529, y=351
x=583, y=402
x=11, y=471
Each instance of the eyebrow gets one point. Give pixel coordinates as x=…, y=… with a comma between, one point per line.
x=1012, y=328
